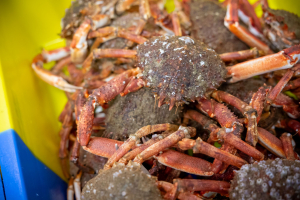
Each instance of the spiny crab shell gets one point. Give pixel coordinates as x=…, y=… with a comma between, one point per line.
x=180, y=68
x=122, y=182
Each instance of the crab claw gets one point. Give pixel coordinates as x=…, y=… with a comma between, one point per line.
x=47, y=76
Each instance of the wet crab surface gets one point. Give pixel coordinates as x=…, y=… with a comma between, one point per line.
x=121, y=182
x=207, y=19
x=137, y=109
x=180, y=68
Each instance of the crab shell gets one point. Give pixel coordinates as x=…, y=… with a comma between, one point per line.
x=274, y=20
x=76, y=14
x=121, y=182
x=180, y=69
x=137, y=109
x=207, y=18
x=271, y=179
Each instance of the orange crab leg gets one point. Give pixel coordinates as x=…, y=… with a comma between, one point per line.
x=48, y=77
x=103, y=147
x=241, y=55
x=288, y=105
x=133, y=85
x=79, y=41
x=291, y=124
x=207, y=149
x=183, y=132
x=258, y=100
x=280, y=85
x=132, y=154
x=130, y=142
x=101, y=32
x=241, y=145
x=270, y=142
x=176, y=24
x=248, y=15
x=184, y=185
x=284, y=59
x=231, y=21
x=205, y=122
x=64, y=135
x=185, y=163
x=199, y=146
x=100, y=96
x=221, y=113
x=292, y=85
x=247, y=111
x=286, y=140
x=75, y=159
x=114, y=53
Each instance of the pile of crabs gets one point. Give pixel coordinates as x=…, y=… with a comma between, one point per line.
x=183, y=105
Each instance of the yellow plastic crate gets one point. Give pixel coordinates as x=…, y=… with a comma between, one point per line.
x=28, y=105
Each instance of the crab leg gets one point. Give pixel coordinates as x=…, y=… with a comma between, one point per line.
x=205, y=122
x=75, y=159
x=270, y=142
x=185, y=163
x=77, y=185
x=241, y=55
x=100, y=96
x=144, y=9
x=70, y=190
x=184, y=185
x=138, y=30
x=288, y=105
x=286, y=139
x=240, y=144
x=48, y=77
x=231, y=21
x=290, y=124
x=103, y=147
x=247, y=111
x=133, y=85
x=199, y=146
x=292, y=85
x=226, y=119
x=258, y=100
x=131, y=141
x=132, y=154
x=222, y=114
x=176, y=24
x=114, y=53
x=248, y=16
x=183, y=132
x=79, y=42
x=117, y=32
x=207, y=149
x=280, y=85
x=60, y=64
x=64, y=135
x=284, y=59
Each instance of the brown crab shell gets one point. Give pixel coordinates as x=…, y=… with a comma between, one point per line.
x=207, y=19
x=121, y=182
x=137, y=109
x=180, y=69
x=74, y=16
